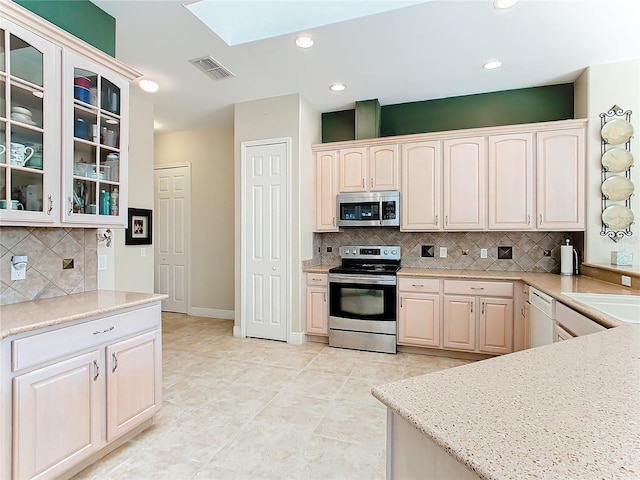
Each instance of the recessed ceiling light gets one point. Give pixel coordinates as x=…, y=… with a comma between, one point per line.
x=304, y=41
x=504, y=3
x=148, y=85
x=337, y=87
x=492, y=64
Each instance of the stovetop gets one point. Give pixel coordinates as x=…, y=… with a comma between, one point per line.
x=369, y=260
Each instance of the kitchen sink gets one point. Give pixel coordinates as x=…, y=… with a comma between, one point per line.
x=625, y=308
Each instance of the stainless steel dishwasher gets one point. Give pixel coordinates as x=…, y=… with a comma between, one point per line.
x=543, y=315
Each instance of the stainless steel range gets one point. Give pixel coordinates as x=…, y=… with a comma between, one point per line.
x=362, y=299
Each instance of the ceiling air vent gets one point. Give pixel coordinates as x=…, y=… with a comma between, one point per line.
x=212, y=68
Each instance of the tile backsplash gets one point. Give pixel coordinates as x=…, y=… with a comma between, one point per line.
x=47, y=249
x=463, y=248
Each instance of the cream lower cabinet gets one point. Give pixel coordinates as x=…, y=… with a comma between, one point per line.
x=478, y=316
x=317, y=304
x=57, y=416
x=419, y=312
x=66, y=385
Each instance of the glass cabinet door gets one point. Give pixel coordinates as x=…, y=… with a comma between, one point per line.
x=29, y=162
x=93, y=158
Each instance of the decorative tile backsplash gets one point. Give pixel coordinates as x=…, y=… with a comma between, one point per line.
x=463, y=248
x=48, y=250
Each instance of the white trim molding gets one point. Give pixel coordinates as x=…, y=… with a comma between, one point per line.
x=211, y=313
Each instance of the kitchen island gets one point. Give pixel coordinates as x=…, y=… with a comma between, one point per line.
x=566, y=410
x=79, y=376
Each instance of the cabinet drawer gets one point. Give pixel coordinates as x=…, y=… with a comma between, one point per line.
x=41, y=348
x=320, y=279
x=430, y=285
x=467, y=287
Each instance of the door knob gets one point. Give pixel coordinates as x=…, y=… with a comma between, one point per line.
x=273, y=268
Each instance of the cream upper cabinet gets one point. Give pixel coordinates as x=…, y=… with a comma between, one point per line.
x=383, y=168
x=29, y=128
x=95, y=146
x=560, y=164
x=60, y=169
x=353, y=169
x=326, y=180
x=465, y=184
x=368, y=169
x=511, y=182
x=420, y=186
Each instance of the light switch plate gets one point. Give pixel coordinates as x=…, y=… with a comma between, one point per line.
x=626, y=280
x=483, y=253
x=102, y=262
x=143, y=252
x=443, y=252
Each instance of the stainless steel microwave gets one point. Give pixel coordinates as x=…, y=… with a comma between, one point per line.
x=374, y=209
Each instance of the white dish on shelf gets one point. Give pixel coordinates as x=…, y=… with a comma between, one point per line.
x=617, y=217
x=617, y=131
x=22, y=111
x=617, y=160
x=19, y=117
x=617, y=188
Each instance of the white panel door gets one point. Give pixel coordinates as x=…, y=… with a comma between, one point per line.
x=172, y=203
x=265, y=279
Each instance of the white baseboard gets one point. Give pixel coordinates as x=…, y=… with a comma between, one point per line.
x=237, y=331
x=212, y=313
x=297, y=338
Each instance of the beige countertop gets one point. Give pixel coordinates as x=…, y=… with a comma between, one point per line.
x=318, y=269
x=28, y=316
x=567, y=410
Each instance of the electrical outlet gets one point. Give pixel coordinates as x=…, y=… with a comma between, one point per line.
x=143, y=252
x=443, y=252
x=483, y=253
x=626, y=280
x=18, y=273
x=102, y=262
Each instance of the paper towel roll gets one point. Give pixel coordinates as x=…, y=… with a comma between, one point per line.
x=566, y=259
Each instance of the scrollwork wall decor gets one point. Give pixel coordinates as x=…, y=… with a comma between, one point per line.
x=616, y=132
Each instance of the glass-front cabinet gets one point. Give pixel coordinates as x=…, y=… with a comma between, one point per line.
x=29, y=127
x=95, y=134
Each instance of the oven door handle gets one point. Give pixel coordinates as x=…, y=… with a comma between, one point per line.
x=363, y=279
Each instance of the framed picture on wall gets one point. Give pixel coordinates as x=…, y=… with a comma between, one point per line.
x=139, y=230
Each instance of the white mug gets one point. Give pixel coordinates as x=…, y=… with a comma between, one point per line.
x=20, y=154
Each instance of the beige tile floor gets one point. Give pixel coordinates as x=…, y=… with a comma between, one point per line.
x=258, y=409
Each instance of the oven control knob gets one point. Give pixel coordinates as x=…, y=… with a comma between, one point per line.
x=386, y=252
x=393, y=252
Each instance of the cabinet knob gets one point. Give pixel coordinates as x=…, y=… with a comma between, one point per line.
x=471, y=307
x=70, y=201
x=436, y=222
x=50, y=208
x=540, y=218
x=115, y=362
x=371, y=182
x=528, y=219
x=95, y=364
x=363, y=183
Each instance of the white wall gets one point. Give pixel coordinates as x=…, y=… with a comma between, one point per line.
x=280, y=117
x=210, y=153
x=126, y=269
x=598, y=89
x=133, y=272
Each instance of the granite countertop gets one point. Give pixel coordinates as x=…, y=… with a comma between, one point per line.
x=29, y=316
x=318, y=269
x=566, y=410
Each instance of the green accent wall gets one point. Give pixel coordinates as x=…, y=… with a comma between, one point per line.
x=368, y=119
x=338, y=126
x=80, y=18
x=509, y=107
